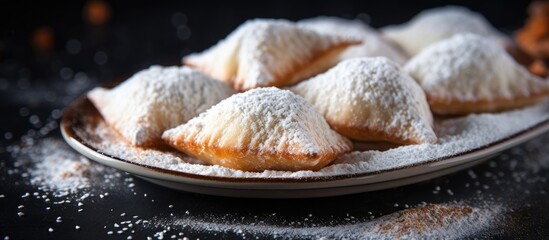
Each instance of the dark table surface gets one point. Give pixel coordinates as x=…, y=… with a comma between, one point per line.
x=36, y=83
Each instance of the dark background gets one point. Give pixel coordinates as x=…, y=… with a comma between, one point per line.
x=140, y=33
x=41, y=78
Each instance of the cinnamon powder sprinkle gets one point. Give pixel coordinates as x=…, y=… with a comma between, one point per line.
x=422, y=220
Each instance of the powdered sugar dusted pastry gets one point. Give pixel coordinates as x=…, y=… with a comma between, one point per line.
x=469, y=73
x=156, y=99
x=436, y=24
x=371, y=99
x=373, y=44
x=264, y=128
x=265, y=52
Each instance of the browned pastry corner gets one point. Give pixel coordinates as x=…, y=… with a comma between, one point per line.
x=522, y=57
x=539, y=67
x=456, y=108
x=533, y=38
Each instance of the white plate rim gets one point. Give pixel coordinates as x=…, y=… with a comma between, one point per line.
x=242, y=183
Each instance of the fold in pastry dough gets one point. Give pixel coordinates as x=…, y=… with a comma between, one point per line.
x=261, y=129
x=371, y=99
x=373, y=44
x=263, y=52
x=436, y=24
x=470, y=74
x=156, y=99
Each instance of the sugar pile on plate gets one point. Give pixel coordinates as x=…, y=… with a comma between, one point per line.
x=456, y=136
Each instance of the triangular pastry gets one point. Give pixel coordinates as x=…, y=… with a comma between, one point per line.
x=156, y=99
x=469, y=74
x=261, y=129
x=373, y=44
x=371, y=99
x=436, y=24
x=262, y=53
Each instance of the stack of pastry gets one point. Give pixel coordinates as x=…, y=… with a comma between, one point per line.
x=279, y=95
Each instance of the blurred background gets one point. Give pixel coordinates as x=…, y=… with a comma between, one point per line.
x=51, y=51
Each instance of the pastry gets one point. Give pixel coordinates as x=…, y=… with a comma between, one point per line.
x=534, y=36
x=468, y=73
x=371, y=99
x=373, y=44
x=539, y=68
x=436, y=24
x=264, y=52
x=156, y=99
x=261, y=129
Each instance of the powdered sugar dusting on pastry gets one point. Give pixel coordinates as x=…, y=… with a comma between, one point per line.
x=156, y=99
x=470, y=67
x=373, y=44
x=373, y=95
x=456, y=136
x=266, y=52
x=263, y=119
x=436, y=24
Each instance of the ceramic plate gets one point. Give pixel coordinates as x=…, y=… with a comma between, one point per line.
x=82, y=116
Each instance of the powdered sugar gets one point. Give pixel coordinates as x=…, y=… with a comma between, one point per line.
x=157, y=99
x=54, y=168
x=373, y=44
x=452, y=220
x=436, y=24
x=276, y=120
x=456, y=136
x=262, y=53
x=62, y=172
x=518, y=173
x=470, y=67
x=437, y=220
x=372, y=95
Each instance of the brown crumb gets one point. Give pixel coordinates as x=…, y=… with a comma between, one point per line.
x=77, y=169
x=66, y=174
x=421, y=220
